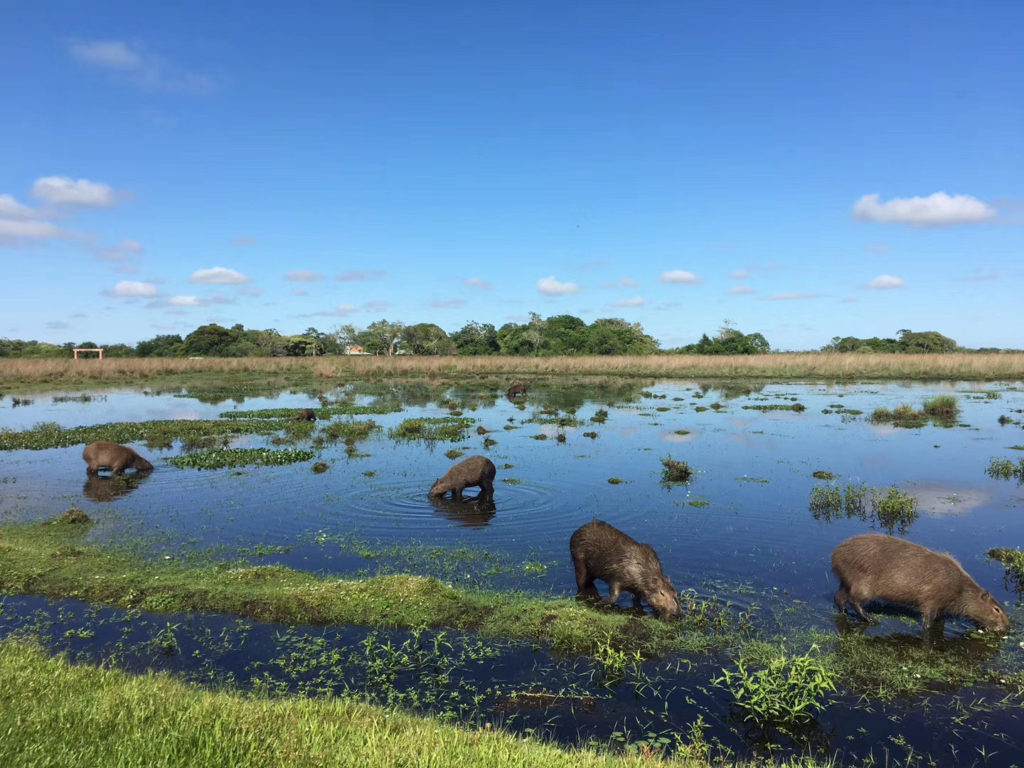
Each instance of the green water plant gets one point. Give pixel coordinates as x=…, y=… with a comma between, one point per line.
x=674, y=471
x=1013, y=562
x=786, y=692
x=239, y=457
x=1006, y=469
x=439, y=428
x=894, y=509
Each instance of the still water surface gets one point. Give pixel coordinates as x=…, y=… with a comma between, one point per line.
x=741, y=529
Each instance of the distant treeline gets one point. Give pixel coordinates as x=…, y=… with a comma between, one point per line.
x=556, y=335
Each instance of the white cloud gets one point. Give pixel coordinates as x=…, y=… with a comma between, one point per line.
x=793, y=296
x=679, y=276
x=133, y=63
x=12, y=209
x=549, y=286
x=185, y=301
x=303, y=276
x=358, y=276
x=218, y=276
x=739, y=274
x=21, y=228
x=635, y=302
x=887, y=282
x=740, y=290
x=935, y=210
x=133, y=288
x=478, y=282
x=120, y=252
x=62, y=190
x=112, y=54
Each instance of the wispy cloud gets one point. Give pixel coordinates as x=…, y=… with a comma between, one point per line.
x=132, y=289
x=793, y=296
x=679, y=276
x=123, y=251
x=638, y=301
x=243, y=241
x=549, y=286
x=477, y=282
x=219, y=276
x=936, y=210
x=63, y=190
x=303, y=276
x=739, y=274
x=185, y=301
x=359, y=275
x=447, y=303
x=344, y=310
x=886, y=283
x=133, y=63
x=12, y=209
x=740, y=290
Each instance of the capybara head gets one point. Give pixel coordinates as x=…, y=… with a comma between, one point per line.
x=986, y=611
x=306, y=414
x=664, y=599
x=141, y=464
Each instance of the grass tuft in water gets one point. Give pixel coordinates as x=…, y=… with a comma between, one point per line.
x=674, y=471
x=240, y=457
x=439, y=428
x=1006, y=469
x=75, y=516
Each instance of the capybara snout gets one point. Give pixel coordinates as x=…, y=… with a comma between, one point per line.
x=876, y=566
x=602, y=551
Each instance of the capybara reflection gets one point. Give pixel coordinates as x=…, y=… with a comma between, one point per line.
x=306, y=414
x=468, y=473
x=116, y=458
x=602, y=551
x=99, y=488
x=874, y=565
x=515, y=388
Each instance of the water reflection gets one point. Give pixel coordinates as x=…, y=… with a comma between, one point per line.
x=112, y=487
x=468, y=512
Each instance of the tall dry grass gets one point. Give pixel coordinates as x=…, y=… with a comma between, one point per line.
x=15, y=373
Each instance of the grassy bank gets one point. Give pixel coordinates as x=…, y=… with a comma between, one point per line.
x=55, y=714
x=51, y=559
x=18, y=375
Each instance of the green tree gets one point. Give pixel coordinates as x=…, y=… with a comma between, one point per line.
x=167, y=345
x=426, y=339
x=208, y=340
x=476, y=339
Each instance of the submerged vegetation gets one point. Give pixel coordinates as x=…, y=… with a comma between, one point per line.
x=1006, y=469
x=444, y=428
x=942, y=410
x=240, y=457
x=155, y=434
x=893, y=509
x=674, y=471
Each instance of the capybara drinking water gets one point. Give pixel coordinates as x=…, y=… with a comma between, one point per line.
x=474, y=471
x=874, y=565
x=116, y=457
x=306, y=414
x=602, y=551
x=515, y=388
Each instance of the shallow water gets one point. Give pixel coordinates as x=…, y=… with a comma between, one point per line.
x=741, y=529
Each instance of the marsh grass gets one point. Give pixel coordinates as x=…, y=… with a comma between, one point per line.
x=80, y=715
x=294, y=597
x=942, y=410
x=893, y=509
x=1006, y=469
x=674, y=471
x=440, y=428
x=155, y=434
x=27, y=374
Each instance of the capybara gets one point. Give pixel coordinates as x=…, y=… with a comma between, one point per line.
x=602, y=551
x=116, y=457
x=306, y=414
x=474, y=471
x=874, y=565
x=515, y=388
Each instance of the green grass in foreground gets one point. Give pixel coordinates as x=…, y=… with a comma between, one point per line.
x=55, y=714
x=51, y=559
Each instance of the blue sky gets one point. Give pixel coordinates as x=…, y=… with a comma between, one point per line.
x=803, y=169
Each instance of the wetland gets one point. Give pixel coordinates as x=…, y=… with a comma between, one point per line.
x=289, y=558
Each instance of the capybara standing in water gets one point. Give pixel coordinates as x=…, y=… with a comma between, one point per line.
x=874, y=565
x=515, y=388
x=474, y=471
x=306, y=414
x=117, y=457
x=602, y=551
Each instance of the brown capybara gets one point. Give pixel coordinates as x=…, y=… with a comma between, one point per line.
x=116, y=457
x=474, y=471
x=874, y=565
x=602, y=551
x=516, y=388
x=306, y=414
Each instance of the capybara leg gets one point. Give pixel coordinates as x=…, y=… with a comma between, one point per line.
x=486, y=489
x=928, y=616
x=636, y=600
x=859, y=610
x=457, y=493
x=841, y=598
x=583, y=581
x=614, y=590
